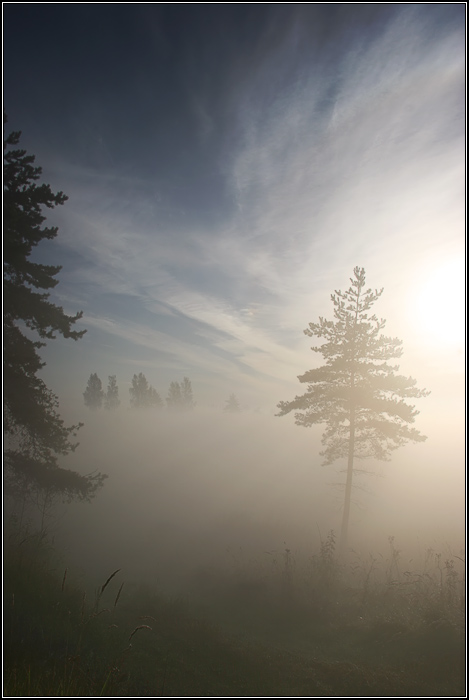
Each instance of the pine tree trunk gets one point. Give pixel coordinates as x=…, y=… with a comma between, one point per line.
x=348, y=483
x=351, y=451
x=351, y=444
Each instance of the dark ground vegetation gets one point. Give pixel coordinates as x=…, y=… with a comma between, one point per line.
x=366, y=629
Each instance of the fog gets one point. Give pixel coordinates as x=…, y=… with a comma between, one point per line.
x=204, y=491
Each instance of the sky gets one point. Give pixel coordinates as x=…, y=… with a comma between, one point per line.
x=227, y=166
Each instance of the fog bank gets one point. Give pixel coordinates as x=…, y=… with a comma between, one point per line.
x=188, y=492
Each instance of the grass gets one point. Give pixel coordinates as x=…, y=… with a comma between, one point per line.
x=277, y=628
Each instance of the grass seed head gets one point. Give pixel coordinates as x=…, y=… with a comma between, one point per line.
x=140, y=627
x=109, y=579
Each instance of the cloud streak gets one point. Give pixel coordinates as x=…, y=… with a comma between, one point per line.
x=355, y=157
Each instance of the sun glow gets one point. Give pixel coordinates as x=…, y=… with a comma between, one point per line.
x=439, y=311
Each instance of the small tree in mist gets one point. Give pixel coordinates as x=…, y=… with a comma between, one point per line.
x=174, y=398
x=186, y=393
x=94, y=393
x=180, y=396
x=356, y=393
x=232, y=405
x=35, y=436
x=111, y=397
x=142, y=394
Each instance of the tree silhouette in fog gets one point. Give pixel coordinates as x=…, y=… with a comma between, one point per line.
x=111, y=397
x=187, y=397
x=35, y=434
x=356, y=393
x=180, y=396
x=94, y=393
x=174, y=398
x=232, y=405
x=142, y=394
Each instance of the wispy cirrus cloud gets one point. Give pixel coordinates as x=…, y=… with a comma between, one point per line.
x=355, y=158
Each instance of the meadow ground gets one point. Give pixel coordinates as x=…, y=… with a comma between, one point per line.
x=315, y=629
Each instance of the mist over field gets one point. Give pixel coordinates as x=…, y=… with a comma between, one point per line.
x=204, y=491
x=224, y=169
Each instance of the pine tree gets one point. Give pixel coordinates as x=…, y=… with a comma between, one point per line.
x=111, y=398
x=174, y=398
x=94, y=393
x=356, y=393
x=180, y=396
x=186, y=393
x=142, y=394
x=35, y=434
x=232, y=405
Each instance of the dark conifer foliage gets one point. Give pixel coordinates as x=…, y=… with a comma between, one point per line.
x=35, y=434
x=356, y=393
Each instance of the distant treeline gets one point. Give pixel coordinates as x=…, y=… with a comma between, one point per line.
x=143, y=395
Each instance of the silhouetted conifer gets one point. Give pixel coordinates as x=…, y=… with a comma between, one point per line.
x=35, y=434
x=111, y=398
x=356, y=393
x=142, y=394
x=180, y=396
x=94, y=393
x=232, y=405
